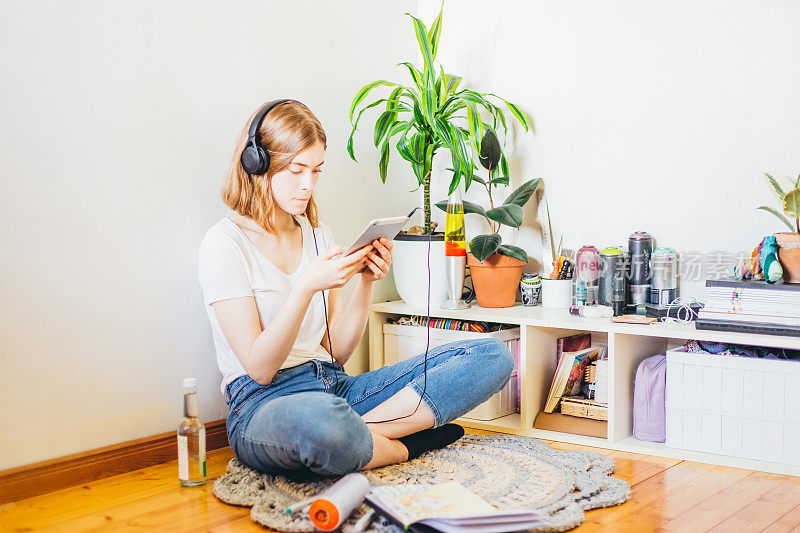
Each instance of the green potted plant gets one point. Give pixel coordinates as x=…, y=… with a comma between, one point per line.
x=430, y=115
x=788, y=194
x=496, y=268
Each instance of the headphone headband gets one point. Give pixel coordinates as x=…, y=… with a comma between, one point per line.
x=255, y=158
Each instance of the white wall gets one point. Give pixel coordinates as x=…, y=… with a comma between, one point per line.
x=119, y=120
x=118, y=124
x=654, y=116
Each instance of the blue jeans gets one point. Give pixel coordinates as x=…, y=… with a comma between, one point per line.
x=309, y=416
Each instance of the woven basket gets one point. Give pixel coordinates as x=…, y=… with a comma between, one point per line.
x=584, y=408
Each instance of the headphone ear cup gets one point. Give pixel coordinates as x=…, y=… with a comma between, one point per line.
x=253, y=159
x=263, y=157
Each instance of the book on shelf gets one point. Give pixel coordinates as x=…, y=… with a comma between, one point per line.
x=735, y=308
x=747, y=327
x=447, y=507
x=754, y=284
x=572, y=343
x=753, y=297
x=749, y=317
x=601, y=381
x=569, y=374
x=735, y=300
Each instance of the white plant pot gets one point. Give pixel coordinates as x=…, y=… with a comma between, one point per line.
x=410, y=270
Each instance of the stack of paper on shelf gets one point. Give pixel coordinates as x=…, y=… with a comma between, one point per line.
x=751, y=306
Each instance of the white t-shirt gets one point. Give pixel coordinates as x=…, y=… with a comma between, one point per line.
x=230, y=266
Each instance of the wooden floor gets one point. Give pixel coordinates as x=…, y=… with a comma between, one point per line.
x=668, y=495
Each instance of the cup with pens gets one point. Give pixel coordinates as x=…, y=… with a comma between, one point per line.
x=557, y=287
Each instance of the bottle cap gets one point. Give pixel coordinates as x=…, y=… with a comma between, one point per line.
x=664, y=251
x=190, y=383
x=611, y=250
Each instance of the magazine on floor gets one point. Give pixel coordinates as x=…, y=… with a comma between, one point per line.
x=447, y=507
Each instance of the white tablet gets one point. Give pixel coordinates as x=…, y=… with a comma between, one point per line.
x=381, y=227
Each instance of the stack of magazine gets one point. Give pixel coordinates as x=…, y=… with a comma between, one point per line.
x=569, y=375
x=752, y=307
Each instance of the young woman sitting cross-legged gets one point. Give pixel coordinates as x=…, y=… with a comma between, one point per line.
x=271, y=275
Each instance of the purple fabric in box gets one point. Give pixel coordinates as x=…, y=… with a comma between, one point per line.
x=649, y=399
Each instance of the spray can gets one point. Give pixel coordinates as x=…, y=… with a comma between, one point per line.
x=618, y=301
x=587, y=270
x=612, y=279
x=640, y=246
x=332, y=507
x=664, y=287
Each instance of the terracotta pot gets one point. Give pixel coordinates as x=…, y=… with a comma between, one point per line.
x=496, y=280
x=789, y=256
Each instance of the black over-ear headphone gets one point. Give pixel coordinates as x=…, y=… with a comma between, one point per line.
x=255, y=159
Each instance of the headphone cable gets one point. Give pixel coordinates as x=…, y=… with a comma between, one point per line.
x=427, y=331
x=327, y=329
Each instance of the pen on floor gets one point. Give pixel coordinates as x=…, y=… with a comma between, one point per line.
x=364, y=521
x=299, y=506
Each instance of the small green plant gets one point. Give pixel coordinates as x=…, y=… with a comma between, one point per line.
x=788, y=194
x=509, y=213
x=432, y=114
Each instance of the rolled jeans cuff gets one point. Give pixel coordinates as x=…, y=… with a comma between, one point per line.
x=437, y=417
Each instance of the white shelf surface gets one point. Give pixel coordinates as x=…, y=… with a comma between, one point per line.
x=560, y=318
x=628, y=344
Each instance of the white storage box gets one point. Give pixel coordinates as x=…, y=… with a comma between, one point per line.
x=737, y=406
x=403, y=342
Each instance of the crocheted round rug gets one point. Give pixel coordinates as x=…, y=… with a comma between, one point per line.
x=505, y=470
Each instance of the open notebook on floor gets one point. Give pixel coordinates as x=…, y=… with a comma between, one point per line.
x=447, y=507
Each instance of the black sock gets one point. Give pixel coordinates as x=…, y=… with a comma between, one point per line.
x=431, y=439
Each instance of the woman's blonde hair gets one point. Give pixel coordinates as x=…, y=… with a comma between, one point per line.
x=287, y=130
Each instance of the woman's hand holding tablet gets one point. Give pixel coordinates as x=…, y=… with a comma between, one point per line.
x=379, y=260
x=381, y=227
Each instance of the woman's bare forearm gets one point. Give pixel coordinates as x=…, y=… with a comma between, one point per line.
x=349, y=329
x=272, y=346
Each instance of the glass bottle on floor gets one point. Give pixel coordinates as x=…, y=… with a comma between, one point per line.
x=191, y=440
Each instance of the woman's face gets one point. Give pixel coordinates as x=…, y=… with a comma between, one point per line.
x=292, y=187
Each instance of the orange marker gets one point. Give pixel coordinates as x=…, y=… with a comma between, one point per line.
x=557, y=264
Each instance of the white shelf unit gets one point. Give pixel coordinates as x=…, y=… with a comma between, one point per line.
x=628, y=345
